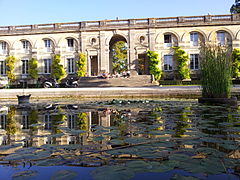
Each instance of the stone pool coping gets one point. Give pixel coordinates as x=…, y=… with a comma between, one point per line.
x=111, y=92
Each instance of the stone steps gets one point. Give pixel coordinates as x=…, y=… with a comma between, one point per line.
x=134, y=81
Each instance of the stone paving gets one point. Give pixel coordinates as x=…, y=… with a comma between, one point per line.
x=104, y=92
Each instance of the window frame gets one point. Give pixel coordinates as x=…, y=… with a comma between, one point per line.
x=71, y=65
x=2, y=67
x=193, y=57
x=25, y=66
x=194, y=38
x=47, y=66
x=167, y=64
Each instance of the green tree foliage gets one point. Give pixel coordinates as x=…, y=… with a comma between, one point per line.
x=10, y=64
x=119, y=57
x=216, y=71
x=154, y=64
x=81, y=65
x=58, y=71
x=33, y=71
x=57, y=119
x=236, y=63
x=82, y=121
x=11, y=126
x=181, y=58
x=235, y=7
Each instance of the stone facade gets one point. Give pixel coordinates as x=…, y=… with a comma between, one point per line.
x=94, y=38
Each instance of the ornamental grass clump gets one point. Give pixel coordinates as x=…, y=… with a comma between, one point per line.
x=216, y=71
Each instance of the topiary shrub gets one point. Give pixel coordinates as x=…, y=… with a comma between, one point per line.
x=154, y=65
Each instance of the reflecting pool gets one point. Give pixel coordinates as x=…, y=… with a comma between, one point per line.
x=120, y=139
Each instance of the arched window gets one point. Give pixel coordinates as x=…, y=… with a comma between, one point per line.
x=48, y=45
x=3, y=48
x=26, y=46
x=170, y=40
x=223, y=38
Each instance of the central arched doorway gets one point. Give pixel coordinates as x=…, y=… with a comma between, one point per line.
x=118, y=54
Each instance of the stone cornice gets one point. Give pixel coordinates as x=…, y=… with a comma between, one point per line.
x=104, y=25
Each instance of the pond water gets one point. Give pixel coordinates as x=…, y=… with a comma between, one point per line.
x=120, y=139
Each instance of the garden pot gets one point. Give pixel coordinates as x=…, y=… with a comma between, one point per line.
x=23, y=99
x=219, y=101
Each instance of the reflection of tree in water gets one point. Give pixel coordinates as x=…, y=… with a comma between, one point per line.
x=120, y=120
x=182, y=122
x=33, y=119
x=11, y=126
x=82, y=123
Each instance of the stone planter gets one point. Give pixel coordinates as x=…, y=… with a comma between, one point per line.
x=23, y=99
x=219, y=101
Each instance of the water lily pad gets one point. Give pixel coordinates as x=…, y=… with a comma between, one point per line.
x=24, y=175
x=63, y=175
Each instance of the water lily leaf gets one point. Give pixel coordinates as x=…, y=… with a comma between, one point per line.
x=6, y=147
x=180, y=177
x=24, y=175
x=117, y=172
x=63, y=175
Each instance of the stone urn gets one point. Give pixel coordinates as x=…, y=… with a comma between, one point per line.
x=23, y=99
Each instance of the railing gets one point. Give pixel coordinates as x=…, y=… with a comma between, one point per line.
x=120, y=23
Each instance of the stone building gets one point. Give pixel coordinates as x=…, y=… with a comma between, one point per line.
x=96, y=38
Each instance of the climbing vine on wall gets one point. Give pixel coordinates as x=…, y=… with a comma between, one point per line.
x=58, y=71
x=154, y=64
x=33, y=71
x=181, y=59
x=81, y=65
x=10, y=64
x=236, y=63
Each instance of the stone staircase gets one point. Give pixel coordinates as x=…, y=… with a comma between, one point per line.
x=133, y=81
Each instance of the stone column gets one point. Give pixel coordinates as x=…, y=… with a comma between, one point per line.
x=131, y=51
x=151, y=37
x=104, y=57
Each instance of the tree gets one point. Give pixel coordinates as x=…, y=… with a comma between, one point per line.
x=58, y=71
x=10, y=63
x=33, y=71
x=119, y=57
x=154, y=64
x=235, y=7
x=181, y=58
x=81, y=65
x=236, y=63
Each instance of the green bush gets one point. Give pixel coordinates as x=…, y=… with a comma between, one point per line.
x=154, y=64
x=81, y=65
x=10, y=64
x=58, y=71
x=181, y=58
x=236, y=63
x=33, y=71
x=119, y=57
x=215, y=71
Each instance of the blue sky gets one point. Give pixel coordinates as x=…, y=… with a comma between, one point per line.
x=23, y=12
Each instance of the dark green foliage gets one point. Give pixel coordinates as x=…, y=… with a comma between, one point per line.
x=216, y=71
x=181, y=58
x=11, y=126
x=119, y=57
x=10, y=63
x=236, y=63
x=33, y=71
x=154, y=64
x=82, y=121
x=58, y=71
x=235, y=7
x=81, y=65
x=33, y=118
